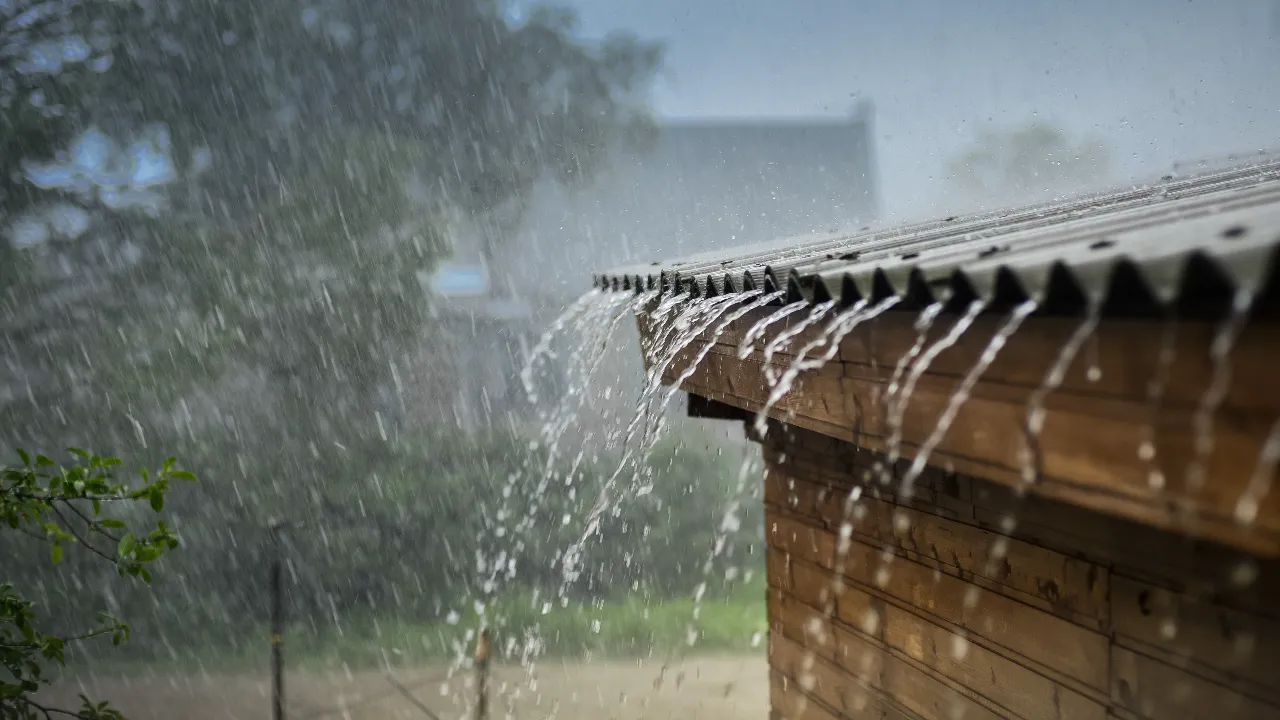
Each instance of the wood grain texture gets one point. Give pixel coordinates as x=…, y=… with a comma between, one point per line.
x=917, y=624
x=1105, y=445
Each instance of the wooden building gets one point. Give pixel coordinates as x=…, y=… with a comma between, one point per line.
x=1094, y=535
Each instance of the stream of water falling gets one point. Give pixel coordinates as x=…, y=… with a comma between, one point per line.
x=1031, y=457
x=1155, y=401
x=757, y=330
x=694, y=319
x=587, y=324
x=831, y=337
x=543, y=347
x=1224, y=342
x=893, y=446
x=783, y=339
x=961, y=394
x=1259, y=486
x=729, y=524
x=712, y=341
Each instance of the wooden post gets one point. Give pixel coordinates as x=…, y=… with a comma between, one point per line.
x=277, y=627
x=482, y=675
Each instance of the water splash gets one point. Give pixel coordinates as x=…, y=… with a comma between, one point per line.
x=586, y=326
x=893, y=446
x=1057, y=373
x=839, y=328
x=1247, y=505
x=693, y=319
x=757, y=330
x=961, y=393
x=729, y=524
x=593, y=329
x=1224, y=342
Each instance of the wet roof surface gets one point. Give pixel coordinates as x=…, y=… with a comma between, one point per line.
x=1187, y=245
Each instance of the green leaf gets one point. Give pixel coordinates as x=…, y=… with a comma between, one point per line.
x=77, y=451
x=127, y=544
x=111, y=523
x=183, y=475
x=147, y=553
x=157, y=501
x=55, y=553
x=44, y=461
x=26, y=459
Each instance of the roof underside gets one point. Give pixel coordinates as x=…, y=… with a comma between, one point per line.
x=1187, y=246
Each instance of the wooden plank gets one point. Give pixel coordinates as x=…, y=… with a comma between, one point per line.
x=1089, y=451
x=788, y=702
x=1197, y=634
x=1183, y=563
x=700, y=407
x=800, y=540
x=777, y=568
x=819, y=679
x=1093, y=427
x=1125, y=353
x=1153, y=689
x=988, y=673
x=1001, y=680
x=903, y=683
x=1067, y=584
x=1041, y=637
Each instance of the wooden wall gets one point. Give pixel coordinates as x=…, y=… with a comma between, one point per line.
x=1096, y=423
x=946, y=609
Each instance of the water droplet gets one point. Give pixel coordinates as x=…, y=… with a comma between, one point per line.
x=1246, y=510
x=999, y=547
x=1244, y=574
x=1146, y=451
x=883, y=574
x=870, y=621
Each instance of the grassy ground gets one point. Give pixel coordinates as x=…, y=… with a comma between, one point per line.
x=628, y=627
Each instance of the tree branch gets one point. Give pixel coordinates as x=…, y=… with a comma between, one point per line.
x=79, y=538
x=94, y=526
x=49, y=712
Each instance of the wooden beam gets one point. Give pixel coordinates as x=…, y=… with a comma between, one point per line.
x=701, y=407
x=1120, y=434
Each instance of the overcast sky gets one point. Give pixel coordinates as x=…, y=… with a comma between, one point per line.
x=1159, y=80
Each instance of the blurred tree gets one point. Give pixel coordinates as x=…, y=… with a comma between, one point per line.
x=224, y=225
x=1030, y=162
x=311, y=155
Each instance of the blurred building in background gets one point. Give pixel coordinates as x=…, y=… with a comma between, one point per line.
x=703, y=185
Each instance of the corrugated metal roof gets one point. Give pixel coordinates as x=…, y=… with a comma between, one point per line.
x=1191, y=244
